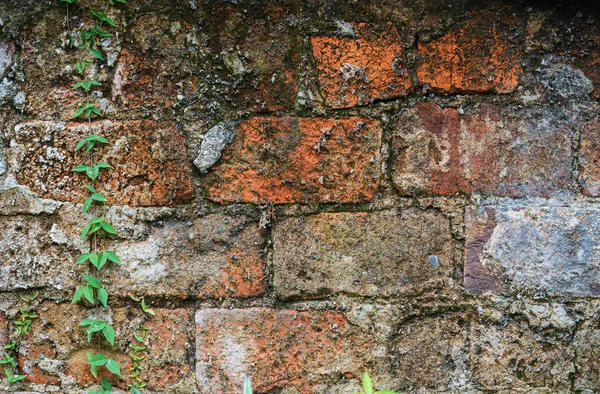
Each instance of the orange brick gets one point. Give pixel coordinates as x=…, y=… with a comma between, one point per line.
x=150, y=161
x=280, y=349
x=356, y=71
x=287, y=160
x=482, y=55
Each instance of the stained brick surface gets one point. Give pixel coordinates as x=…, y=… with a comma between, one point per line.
x=482, y=55
x=441, y=152
x=357, y=70
x=150, y=163
x=284, y=348
x=287, y=160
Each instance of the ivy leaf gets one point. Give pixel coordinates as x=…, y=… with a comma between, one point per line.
x=96, y=53
x=95, y=282
x=104, y=18
x=85, y=231
x=108, y=228
x=109, y=334
x=367, y=385
x=87, y=204
x=146, y=309
x=86, y=322
x=112, y=256
x=106, y=384
x=88, y=293
x=103, y=296
x=247, y=385
x=98, y=197
x=96, y=326
x=113, y=367
x=91, y=188
x=85, y=257
x=78, y=294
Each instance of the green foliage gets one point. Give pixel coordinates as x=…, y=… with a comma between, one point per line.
x=68, y=2
x=91, y=289
x=86, y=85
x=11, y=377
x=30, y=298
x=106, y=386
x=146, y=309
x=368, y=386
x=247, y=385
x=87, y=110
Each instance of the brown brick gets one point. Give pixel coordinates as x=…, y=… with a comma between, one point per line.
x=287, y=160
x=257, y=53
x=379, y=253
x=358, y=70
x=279, y=349
x=589, y=159
x=150, y=161
x=56, y=338
x=215, y=256
x=3, y=333
x=167, y=358
x=479, y=278
x=432, y=352
x=440, y=152
x=482, y=55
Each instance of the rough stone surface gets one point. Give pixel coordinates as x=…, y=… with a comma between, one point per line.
x=210, y=257
x=482, y=55
x=546, y=251
x=150, y=163
x=357, y=70
x=441, y=151
x=305, y=190
x=589, y=159
x=361, y=253
x=279, y=348
x=432, y=353
x=213, y=143
x=286, y=160
x=513, y=356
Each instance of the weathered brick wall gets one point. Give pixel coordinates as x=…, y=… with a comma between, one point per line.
x=308, y=189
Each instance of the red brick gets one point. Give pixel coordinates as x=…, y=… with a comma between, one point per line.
x=279, y=349
x=358, y=70
x=287, y=160
x=479, y=279
x=482, y=55
x=150, y=160
x=166, y=357
x=589, y=159
x=440, y=152
x=3, y=333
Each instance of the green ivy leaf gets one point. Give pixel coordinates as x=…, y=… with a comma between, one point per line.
x=145, y=309
x=367, y=385
x=103, y=296
x=88, y=293
x=106, y=384
x=112, y=256
x=98, y=197
x=113, y=367
x=96, y=326
x=247, y=385
x=104, y=18
x=109, y=334
x=96, y=53
x=91, y=188
x=94, y=282
x=87, y=204
x=108, y=228
x=78, y=294
x=86, y=322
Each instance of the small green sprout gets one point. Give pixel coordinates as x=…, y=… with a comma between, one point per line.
x=368, y=386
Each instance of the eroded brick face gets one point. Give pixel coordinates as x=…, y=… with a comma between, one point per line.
x=355, y=71
x=533, y=250
x=589, y=159
x=481, y=55
x=215, y=256
x=286, y=160
x=151, y=166
x=364, y=253
x=441, y=152
x=279, y=348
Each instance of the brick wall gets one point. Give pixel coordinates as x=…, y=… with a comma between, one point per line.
x=308, y=189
